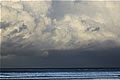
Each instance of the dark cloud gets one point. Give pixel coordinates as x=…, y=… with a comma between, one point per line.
x=65, y=58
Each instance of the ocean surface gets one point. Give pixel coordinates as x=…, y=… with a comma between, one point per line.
x=59, y=74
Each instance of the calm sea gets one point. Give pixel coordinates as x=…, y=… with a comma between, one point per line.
x=59, y=74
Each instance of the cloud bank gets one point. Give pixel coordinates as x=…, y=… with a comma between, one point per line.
x=50, y=25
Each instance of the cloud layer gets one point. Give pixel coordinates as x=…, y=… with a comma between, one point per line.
x=50, y=25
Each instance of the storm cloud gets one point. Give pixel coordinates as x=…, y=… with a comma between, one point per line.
x=37, y=30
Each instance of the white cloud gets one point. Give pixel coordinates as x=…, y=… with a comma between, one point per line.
x=82, y=24
x=21, y=20
x=76, y=31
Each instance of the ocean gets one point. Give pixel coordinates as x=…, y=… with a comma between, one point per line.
x=59, y=74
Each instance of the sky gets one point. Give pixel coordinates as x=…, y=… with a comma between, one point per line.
x=60, y=34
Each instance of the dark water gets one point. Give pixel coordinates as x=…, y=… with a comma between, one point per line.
x=59, y=74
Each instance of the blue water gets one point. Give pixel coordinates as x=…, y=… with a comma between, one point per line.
x=59, y=74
